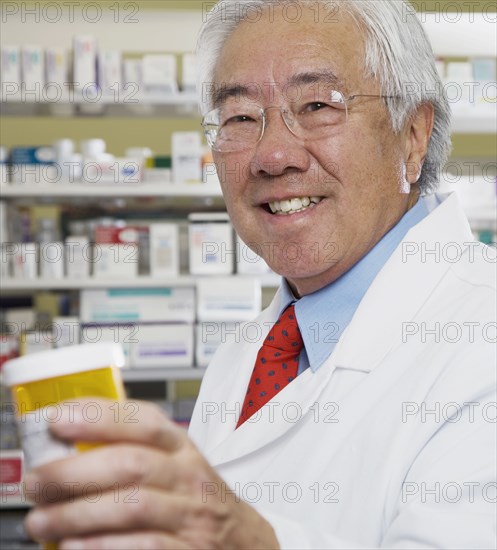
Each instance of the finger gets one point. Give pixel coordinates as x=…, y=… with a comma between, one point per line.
x=114, y=467
x=102, y=420
x=149, y=509
x=142, y=540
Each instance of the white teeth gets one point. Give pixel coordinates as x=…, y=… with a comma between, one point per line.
x=296, y=204
x=290, y=206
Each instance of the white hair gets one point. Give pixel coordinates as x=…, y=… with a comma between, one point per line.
x=397, y=54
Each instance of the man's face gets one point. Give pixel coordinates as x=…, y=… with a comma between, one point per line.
x=356, y=171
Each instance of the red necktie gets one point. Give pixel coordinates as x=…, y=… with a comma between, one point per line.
x=276, y=364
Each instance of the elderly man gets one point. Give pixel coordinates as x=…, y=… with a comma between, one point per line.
x=358, y=419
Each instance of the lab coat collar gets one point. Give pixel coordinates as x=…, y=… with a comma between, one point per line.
x=395, y=296
x=403, y=285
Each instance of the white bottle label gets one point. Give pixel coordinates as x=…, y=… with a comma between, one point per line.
x=38, y=444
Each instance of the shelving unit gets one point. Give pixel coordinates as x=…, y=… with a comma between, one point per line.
x=127, y=102
x=159, y=374
x=68, y=190
x=267, y=281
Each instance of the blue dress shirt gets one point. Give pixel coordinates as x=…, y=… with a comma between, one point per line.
x=323, y=315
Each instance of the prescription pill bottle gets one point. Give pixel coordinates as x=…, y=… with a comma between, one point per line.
x=57, y=379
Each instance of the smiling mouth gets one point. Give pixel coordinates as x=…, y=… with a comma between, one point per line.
x=292, y=206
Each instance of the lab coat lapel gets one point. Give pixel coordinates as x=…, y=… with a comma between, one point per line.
x=395, y=296
x=402, y=287
x=275, y=419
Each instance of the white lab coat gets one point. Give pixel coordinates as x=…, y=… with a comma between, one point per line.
x=350, y=456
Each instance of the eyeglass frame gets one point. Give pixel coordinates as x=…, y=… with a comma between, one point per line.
x=283, y=111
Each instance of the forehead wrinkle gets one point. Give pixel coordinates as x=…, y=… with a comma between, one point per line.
x=326, y=76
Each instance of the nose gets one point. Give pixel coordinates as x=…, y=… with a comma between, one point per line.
x=278, y=151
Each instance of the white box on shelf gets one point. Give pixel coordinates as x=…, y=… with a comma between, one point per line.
x=209, y=336
x=138, y=305
x=165, y=345
x=51, y=257
x=164, y=250
x=115, y=253
x=118, y=333
x=78, y=255
x=25, y=261
x=56, y=67
x=119, y=170
x=189, y=77
x=132, y=75
x=211, y=247
x=159, y=73
x=33, y=165
x=249, y=262
x=110, y=71
x=84, y=62
x=186, y=157
x=228, y=298
x=10, y=70
x=33, y=69
x=34, y=341
x=65, y=331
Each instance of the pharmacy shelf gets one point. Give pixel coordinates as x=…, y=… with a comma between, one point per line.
x=479, y=121
x=56, y=102
x=166, y=374
x=117, y=190
x=267, y=281
x=15, y=503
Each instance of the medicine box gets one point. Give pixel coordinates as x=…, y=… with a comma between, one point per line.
x=115, y=253
x=11, y=484
x=78, y=256
x=159, y=73
x=138, y=305
x=228, y=298
x=56, y=68
x=33, y=69
x=84, y=61
x=132, y=75
x=32, y=165
x=164, y=250
x=211, y=247
x=65, y=331
x=110, y=71
x=164, y=345
x=186, y=157
x=10, y=69
x=189, y=78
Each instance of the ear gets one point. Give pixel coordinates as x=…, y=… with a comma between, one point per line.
x=417, y=138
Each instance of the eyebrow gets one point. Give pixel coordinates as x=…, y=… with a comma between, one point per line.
x=223, y=92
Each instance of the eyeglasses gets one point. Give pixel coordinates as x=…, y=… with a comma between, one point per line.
x=240, y=124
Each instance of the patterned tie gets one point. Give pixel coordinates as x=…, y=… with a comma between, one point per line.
x=276, y=364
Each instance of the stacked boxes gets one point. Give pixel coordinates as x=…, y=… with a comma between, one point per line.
x=155, y=326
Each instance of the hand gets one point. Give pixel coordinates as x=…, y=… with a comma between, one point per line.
x=145, y=488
